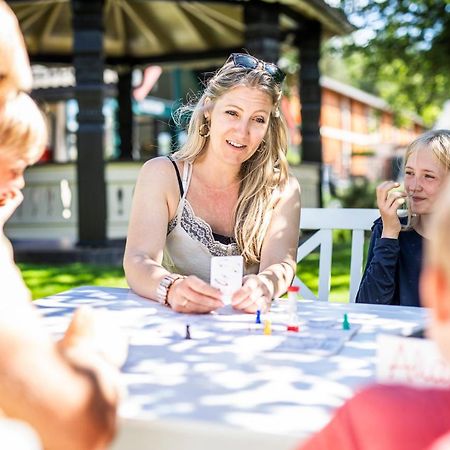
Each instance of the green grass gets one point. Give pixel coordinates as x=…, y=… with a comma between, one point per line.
x=308, y=268
x=46, y=279
x=308, y=271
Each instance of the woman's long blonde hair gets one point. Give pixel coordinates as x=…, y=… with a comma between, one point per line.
x=436, y=141
x=264, y=174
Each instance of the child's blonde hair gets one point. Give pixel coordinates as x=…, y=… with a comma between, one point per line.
x=23, y=132
x=15, y=72
x=437, y=142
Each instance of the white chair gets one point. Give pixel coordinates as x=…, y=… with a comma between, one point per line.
x=325, y=220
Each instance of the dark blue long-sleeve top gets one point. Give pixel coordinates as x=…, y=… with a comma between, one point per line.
x=393, y=268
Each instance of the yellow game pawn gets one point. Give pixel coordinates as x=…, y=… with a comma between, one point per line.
x=267, y=327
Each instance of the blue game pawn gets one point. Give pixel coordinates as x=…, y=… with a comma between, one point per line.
x=258, y=316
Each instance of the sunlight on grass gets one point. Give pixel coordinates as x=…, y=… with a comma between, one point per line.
x=308, y=269
x=44, y=280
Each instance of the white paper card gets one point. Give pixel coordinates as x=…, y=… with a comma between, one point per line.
x=226, y=275
x=412, y=361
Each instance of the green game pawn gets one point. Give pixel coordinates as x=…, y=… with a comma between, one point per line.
x=345, y=323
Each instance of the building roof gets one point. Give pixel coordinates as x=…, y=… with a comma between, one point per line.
x=362, y=96
x=161, y=30
x=354, y=93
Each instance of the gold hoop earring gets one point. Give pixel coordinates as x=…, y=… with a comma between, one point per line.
x=204, y=130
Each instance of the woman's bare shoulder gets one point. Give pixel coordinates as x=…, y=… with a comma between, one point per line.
x=291, y=188
x=155, y=166
x=293, y=183
x=158, y=170
x=158, y=177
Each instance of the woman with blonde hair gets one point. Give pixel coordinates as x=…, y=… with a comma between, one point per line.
x=71, y=395
x=46, y=399
x=226, y=191
x=395, y=252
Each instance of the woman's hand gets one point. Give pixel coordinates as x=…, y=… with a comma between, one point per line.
x=8, y=204
x=192, y=295
x=256, y=293
x=388, y=202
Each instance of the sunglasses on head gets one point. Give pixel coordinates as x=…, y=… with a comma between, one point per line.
x=250, y=62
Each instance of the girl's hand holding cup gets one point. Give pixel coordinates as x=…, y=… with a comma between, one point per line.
x=389, y=200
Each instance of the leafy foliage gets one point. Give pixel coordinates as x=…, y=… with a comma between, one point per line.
x=360, y=194
x=401, y=51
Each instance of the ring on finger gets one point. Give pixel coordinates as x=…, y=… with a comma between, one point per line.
x=186, y=301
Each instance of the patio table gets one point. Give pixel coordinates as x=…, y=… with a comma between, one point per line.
x=230, y=386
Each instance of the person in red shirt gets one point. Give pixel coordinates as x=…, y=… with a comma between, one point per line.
x=393, y=417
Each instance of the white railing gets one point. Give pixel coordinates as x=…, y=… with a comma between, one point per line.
x=325, y=221
x=49, y=210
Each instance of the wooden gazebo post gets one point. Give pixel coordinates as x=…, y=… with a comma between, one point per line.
x=262, y=30
x=308, y=41
x=88, y=60
x=125, y=114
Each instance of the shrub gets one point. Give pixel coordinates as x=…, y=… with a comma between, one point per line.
x=360, y=194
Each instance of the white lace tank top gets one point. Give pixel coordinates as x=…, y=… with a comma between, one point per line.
x=190, y=241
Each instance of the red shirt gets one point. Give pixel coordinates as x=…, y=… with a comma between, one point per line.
x=383, y=417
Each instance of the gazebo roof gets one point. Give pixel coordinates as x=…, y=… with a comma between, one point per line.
x=143, y=31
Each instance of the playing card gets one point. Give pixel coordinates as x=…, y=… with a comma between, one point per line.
x=226, y=275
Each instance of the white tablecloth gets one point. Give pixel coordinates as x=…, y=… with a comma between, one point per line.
x=230, y=386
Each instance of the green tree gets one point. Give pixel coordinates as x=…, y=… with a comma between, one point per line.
x=400, y=52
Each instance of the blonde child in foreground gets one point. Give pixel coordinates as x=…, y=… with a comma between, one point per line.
x=67, y=392
x=393, y=417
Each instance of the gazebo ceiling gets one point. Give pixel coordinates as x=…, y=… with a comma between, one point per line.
x=140, y=30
